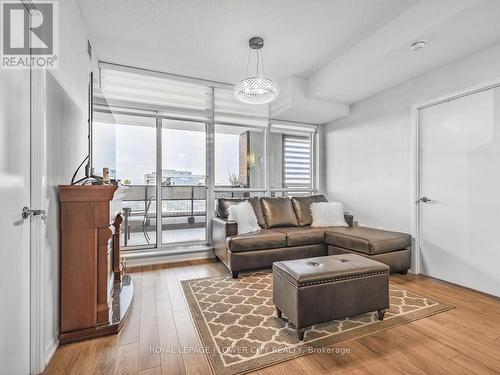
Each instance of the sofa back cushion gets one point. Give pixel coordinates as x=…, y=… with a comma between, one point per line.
x=302, y=207
x=279, y=212
x=224, y=203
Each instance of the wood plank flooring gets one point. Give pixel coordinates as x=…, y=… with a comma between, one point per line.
x=465, y=340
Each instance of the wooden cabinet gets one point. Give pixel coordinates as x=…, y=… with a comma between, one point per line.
x=95, y=298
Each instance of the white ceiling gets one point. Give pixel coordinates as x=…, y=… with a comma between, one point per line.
x=452, y=28
x=348, y=49
x=209, y=38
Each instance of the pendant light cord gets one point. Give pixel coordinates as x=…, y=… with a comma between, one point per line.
x=263, y=70
x=248, y=62
x=258, y=63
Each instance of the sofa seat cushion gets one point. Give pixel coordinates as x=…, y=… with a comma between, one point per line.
x=264, y=239
x=298, y=236
x=366, y=240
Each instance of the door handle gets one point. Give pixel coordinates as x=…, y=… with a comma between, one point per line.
x=424, y=199
x=26, y=212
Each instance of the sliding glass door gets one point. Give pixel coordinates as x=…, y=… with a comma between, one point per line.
x=138, y=149
x=126, y=145
x=183, y=181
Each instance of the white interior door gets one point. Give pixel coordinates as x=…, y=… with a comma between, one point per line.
x=460, y=191
x=14, y=230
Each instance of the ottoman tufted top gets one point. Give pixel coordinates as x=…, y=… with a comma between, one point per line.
x=311, y=271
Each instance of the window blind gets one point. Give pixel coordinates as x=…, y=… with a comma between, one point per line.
x=229, y=110
x=146, y=91
x=297, y=161
x=122, y=88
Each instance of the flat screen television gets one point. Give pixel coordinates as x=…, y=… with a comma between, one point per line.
x=89, y=176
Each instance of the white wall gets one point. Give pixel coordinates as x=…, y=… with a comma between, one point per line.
x=369, y=155
x=66, y=122
x=368, y=169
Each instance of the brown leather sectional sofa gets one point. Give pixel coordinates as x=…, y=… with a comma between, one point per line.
x=287, y=234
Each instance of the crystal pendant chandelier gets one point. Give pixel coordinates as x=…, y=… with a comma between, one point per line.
x=256, y=89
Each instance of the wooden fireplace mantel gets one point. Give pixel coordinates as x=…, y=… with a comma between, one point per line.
x=94, y=297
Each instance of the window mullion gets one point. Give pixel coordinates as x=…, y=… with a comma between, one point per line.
x=210, y=170
x=267, y=161
x=159, y=200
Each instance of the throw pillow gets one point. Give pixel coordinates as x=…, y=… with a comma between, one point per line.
x=328, y=214
x=244, y=215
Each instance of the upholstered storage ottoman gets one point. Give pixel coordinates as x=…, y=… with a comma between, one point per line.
x=316, y=290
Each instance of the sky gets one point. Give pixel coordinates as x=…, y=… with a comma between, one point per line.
x=131, y=151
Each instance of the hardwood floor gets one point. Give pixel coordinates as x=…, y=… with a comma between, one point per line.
x=465, y=340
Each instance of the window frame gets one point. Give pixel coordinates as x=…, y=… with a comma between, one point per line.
x=208, y=118
x=299, y=129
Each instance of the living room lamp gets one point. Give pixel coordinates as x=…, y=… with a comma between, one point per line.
x=256, y=89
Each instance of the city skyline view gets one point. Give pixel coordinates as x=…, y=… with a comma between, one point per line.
x=129, y=150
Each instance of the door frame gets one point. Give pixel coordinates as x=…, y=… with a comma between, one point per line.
x=38, y=192
x=39, y=354
x=208, y=129
x=417, y=157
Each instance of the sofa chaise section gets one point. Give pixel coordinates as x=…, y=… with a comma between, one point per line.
x=391, y=248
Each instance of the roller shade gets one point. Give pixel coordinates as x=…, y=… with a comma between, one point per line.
x=229, y=110
x=133, y=89
x=292, y=128
x=145, y=92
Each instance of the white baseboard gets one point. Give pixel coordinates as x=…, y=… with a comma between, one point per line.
x=51, y=348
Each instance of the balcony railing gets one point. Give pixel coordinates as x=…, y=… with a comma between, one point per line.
x=183, y=213
x=183, y=207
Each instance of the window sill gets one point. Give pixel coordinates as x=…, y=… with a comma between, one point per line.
x=137, y=258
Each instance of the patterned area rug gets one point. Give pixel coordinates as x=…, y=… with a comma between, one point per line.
x=237, y=322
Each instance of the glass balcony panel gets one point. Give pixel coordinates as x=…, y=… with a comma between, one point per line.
x=183, y=191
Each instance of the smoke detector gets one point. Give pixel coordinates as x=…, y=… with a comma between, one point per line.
x=418, y=45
